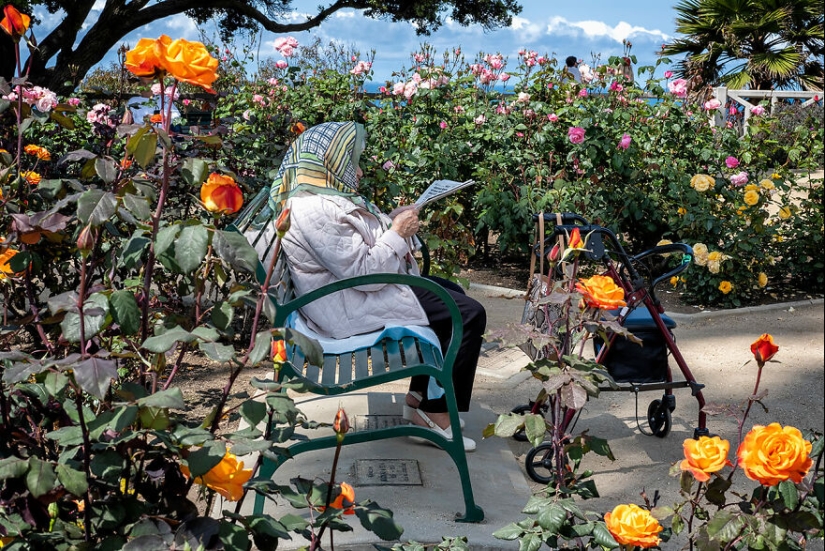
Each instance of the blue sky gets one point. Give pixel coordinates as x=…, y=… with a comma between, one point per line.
x=580, y=28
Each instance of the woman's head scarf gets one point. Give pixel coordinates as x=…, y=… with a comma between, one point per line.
x=322, y=159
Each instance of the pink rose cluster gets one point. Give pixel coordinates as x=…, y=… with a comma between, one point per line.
x=532, y=58
x=739, y=179
x=624, y=143
x=575, y=134
x=361, y=67
x=757, y=110
x=285, y=45
x=42, y=99
x=678, y=87
x=99, y=114
x=712, y=104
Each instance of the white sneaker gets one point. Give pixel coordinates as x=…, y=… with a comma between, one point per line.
x=469, y=443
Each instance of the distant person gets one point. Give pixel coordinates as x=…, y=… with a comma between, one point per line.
x=571, y=66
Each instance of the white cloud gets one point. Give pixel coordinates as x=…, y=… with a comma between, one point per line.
x=599, y=29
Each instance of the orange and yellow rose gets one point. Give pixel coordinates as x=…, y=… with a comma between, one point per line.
x=6, y=254
x=575, y=241
x=33, y=178
x=221, y=193
x=631, y=525
x=751, y=197
x=36, y=151
x=278, y=351
x=344, y=501
x=785, y=212
x=772, y=454
x=764, y=348
x=184, y=60
x=601, y=292
x=14, y=23
x=725, y=287
x=702, y=182
x=227, y=477
x=762, y=279
x=705, y=456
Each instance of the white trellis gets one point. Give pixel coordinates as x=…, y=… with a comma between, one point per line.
x=743, y=97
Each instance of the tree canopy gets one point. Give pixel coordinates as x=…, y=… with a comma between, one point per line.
x=758, y=44
x=63, y=57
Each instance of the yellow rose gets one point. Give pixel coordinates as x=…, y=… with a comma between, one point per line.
x=705, y=456
x=144, y=60
x=702, y=182
x=700, y=254
x=751, y=197
x=776, y=176
x=6, y=254
x=767, y=184
x=33, y=178
x=632, y=525
x=601, y=292
x=772, y=454
x=715, y=256
x=785, y=212
x=726, y=287
x=674, y=281
x=763, y=279
x=227, y=477
x=681, y=211
x=191, y=62
x=221, y=194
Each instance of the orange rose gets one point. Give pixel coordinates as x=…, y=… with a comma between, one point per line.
x=341, y=424
x=772, y=454
x=191, y=62
x=298, y=128
x=278, y=351
x=764, y=349
x=632, y=525
x=345, y=500
x=5, y=257
x=601, y=292
x=227, y=477
x=221, y=194
x=33, y=178
x=36, y=151
x=705, y=456
x=576, y=239
x=283, y=222
x=144, y=60
x=14, y=23
x=156, y=118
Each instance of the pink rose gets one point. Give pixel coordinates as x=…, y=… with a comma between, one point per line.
x=624, y=143
x=281, y=64
x=389, y=165
x=583, y=93
x=74, y=102
x=552, y=117
x=732, y=162
x=757, y=110
x=678, y=87
x=504, y=77
x=575, y=134
x=739, y=179
x=712, y=105
x=668, y=74
x=442, y=125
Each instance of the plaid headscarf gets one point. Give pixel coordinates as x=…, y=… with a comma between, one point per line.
x=321, y=160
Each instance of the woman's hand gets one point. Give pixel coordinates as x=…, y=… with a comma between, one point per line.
x=406, y=223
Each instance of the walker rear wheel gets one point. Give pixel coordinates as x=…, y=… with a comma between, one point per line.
x=659, y=419
x=524, y=409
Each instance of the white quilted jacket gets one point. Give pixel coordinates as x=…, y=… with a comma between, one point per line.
x=331, y=238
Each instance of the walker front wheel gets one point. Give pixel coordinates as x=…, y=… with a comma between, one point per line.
x=539, y=462
x=659, y=419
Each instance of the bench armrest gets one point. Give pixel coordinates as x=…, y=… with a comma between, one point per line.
x=284, y=310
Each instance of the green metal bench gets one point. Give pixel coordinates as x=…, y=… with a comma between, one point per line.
x=386, y=361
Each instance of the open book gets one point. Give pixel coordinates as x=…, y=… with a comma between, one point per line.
x=439, y=189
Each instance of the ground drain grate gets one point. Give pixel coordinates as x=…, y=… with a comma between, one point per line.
x=387, y=472
x=372, y=422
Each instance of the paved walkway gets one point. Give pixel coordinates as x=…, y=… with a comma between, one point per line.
x=419, y=482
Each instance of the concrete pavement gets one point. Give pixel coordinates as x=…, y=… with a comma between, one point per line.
x=419, y=483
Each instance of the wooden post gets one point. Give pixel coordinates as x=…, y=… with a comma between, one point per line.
x=720, y=93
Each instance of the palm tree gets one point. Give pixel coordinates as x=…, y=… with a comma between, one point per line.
x=757, y=44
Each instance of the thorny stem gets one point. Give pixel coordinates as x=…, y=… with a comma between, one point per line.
x=745, y=415
x=693, y=504
x=329, y=494
x=87, y=454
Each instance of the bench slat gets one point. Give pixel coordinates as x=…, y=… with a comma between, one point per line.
x=411, y=356
x=378, y=363
x=329, y=374
x=429, y=355
x=361, y=359
x=394, y=359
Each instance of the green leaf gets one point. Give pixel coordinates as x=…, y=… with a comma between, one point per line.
x=137, y=205
x=236, y=251
x=510, y=532
x=262, y=348
x=190, y=247
x=73, y=480
x=133, y=250
x=96, y=207
x=143, y=146
x=125, y=311
x=165, y=238
x=13, y=467
x=96, y=318
x=790, y=495
x=94, y=375
x=194, y=171
x=67, y=436
x=164, y=342
x=222, y=315
x=725, y=525
x=106, y=169
x=216, y=351
x=310, y=347
x=170, y=398
x=379, y=521
x=603, y=537
x=233, y=536
x=201, y=461
x=253, y=411
x=551, y=518
x=41, y=478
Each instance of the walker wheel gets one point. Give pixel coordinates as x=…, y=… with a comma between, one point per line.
x=539, y=463
x=658, y=418
x=521, y=435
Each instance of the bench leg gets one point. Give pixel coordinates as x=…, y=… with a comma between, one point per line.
x=268, y=468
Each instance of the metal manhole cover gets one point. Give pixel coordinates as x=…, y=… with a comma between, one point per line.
x=372, y=422
x=387, y=472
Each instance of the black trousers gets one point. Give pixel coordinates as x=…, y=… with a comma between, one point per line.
x=474, y=318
